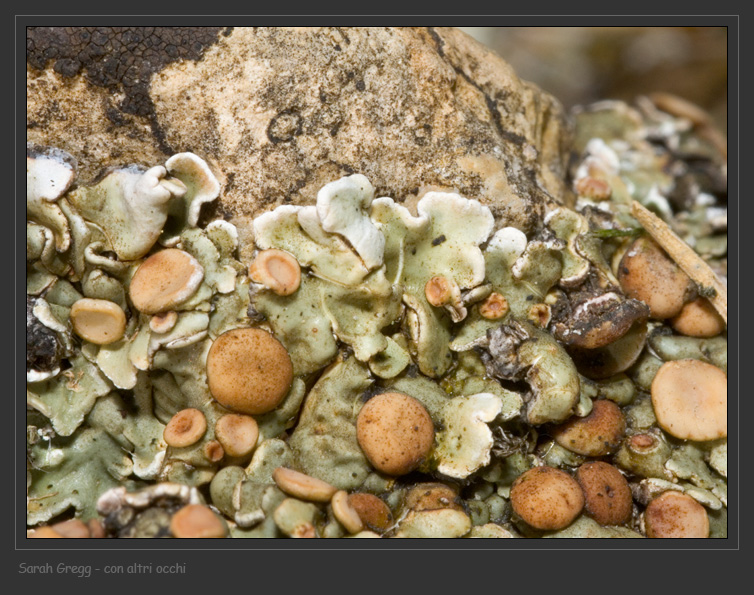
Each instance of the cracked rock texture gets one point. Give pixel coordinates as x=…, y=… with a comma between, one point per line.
x=279, y=112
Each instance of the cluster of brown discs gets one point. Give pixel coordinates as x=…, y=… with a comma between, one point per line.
x=550, y=499
x=249, y=372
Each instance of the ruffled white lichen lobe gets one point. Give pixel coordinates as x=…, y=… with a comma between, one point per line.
x=465, y=224
x=443, y=240
x=200, y=183
x=342, y=207
x=297, y=230
x=570, y=227
x=49, y=174
x=465, y=444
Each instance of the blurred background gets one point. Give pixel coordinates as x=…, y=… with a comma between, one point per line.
x=584, y=64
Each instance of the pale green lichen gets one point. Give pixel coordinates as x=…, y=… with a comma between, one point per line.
x=718, y=458
x=511, y=401
x=342, y=298
x=298, y=231
x=586, y=528
x=713, y=351
x=490, y=531
x=556, y=456
x=242, y=493
x=129, y=207
x=162, y=372
x=465, y=443
x=97, y=284
x=358, y=316
x=432, y=244
x=324, y=440
x=505, y=472
x=283, y=417
x=300, y=324
x=619, y=389
x=393, y=359
x=70, y=396
x=139, y=433
x=428, y=393
x=358, y=324
x=643, y=372
x=687, y=462
x=523, y=273
x=441, y=523
x=74, y=473
x=569, y=227
x=296, y=518
x=585, y=404
x=520, y=351
x=718, y=523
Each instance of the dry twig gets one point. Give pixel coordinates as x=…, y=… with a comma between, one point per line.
x=685, y=257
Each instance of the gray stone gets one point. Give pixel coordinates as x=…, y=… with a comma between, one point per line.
x=279, y=112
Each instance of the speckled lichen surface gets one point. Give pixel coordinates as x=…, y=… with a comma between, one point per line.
x=518, y=364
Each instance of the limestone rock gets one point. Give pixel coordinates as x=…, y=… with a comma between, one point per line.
x=279, y=112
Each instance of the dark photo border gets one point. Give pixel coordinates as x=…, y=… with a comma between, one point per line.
x=240, y=560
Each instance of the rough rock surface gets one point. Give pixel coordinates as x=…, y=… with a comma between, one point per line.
x=279, y=112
